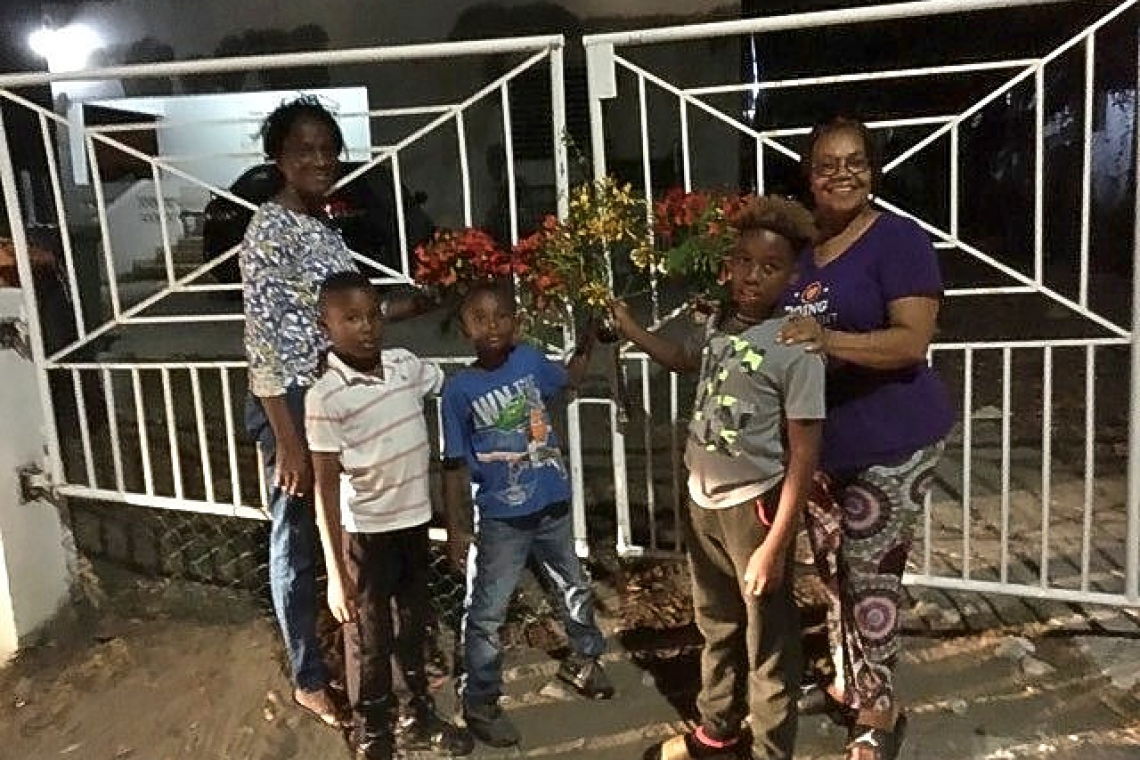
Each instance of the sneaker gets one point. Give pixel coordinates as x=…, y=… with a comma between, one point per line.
x=426, y=729
x=586, y=675
x=490, y=724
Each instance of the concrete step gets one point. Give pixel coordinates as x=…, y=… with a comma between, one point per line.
x=555, y=722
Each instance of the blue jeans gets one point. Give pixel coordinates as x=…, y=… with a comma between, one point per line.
x=494, y=565
x=292, y=552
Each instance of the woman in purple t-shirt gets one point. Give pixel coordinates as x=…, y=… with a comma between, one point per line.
x=868, y=297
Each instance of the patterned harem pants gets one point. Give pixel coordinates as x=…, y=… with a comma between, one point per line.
x=861, y=527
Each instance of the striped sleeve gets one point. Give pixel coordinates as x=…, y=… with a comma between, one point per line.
x=430, y=377
x=322, y=426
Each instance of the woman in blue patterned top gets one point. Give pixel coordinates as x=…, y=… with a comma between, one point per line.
x=288, y=251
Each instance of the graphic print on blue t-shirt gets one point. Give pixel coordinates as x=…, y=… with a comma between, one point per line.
x=497, y=421
x=512, y=426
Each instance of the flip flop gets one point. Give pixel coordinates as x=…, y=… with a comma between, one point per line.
x=884, y=745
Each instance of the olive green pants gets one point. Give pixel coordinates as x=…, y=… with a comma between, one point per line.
x=752, y=660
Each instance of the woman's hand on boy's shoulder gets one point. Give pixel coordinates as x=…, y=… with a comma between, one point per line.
x=800, y=330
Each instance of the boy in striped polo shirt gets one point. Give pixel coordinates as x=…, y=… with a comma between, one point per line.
x=365, y=424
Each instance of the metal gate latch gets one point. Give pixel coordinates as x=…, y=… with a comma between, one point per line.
x=35, y=484
x=14, y=337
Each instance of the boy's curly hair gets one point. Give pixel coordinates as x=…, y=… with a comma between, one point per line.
x=783, y=216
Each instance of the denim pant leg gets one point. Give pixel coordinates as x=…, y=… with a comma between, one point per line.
x=292, y=557
x=493, y=568
x=554, y=551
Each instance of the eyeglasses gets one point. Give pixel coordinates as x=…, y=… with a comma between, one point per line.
x=853, y=164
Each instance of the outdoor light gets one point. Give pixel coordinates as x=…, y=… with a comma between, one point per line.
x=66, y=48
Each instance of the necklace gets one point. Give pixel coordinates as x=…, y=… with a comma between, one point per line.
x=746, y=321
x=835, y=246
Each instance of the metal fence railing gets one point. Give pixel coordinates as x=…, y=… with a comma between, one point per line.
x=142, y=380
x=997, y=522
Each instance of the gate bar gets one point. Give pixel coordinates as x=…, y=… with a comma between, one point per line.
x=61, y=220
x=1132, y=549
x=1086, y=167
x=1090, y=464
x=27, y=290
x=1006, y=416
x=804, y=21
x=84, y=425
x=113, y=427
x=389, y=53
x=1046, y=462
x=464, y=168
x=779, y=84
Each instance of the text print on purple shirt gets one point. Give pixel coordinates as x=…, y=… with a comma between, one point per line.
x=874, y=417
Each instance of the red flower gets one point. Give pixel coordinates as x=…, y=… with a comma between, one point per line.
x=452, y=256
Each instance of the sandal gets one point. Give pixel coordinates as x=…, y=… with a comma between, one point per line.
x=322, y=709
x=882, y=745
x=688, y=747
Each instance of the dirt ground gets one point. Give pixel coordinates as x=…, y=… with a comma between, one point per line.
x=172, y=670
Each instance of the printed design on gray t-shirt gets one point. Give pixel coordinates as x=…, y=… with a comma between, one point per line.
x=718, y=417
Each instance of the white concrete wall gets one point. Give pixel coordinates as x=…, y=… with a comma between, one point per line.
x=34, y=574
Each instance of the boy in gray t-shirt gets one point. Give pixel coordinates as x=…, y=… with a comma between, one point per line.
x=752, y=450
x=750, y=384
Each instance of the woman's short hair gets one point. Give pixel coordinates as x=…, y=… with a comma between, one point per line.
x=785, y=217
x=278, y=124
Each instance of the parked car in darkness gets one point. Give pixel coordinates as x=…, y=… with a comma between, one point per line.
x=364, y=211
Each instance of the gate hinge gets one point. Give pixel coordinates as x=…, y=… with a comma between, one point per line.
x=35, y=485
x=14, y=336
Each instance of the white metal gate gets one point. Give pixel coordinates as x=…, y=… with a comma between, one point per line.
x=1073, y=531
x=165, y=430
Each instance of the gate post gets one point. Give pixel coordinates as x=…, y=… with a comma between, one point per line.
x=34, y=567
x=1132, y=545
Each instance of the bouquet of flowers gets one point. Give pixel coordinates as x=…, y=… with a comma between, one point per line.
x=452, y=259
x=692, y=236
x=574, y=260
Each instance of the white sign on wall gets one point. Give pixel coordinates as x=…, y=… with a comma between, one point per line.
x=215, y=137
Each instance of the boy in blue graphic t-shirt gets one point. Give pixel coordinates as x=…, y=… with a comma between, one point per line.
x=497, y=434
